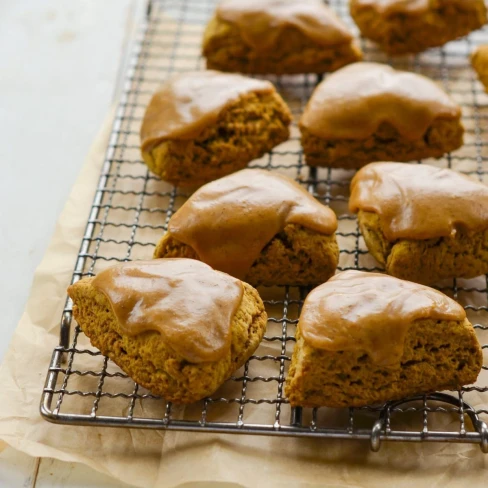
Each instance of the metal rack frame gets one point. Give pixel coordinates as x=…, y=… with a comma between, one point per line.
x=131, y=209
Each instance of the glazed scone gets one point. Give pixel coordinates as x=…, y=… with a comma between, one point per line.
x=422, y=223
x=204, y=125
x=278, y=36
x=370, y=112
x=367, y=338
x=412, y=26
x=479, y=60
x=261, y=227
x=175, y=326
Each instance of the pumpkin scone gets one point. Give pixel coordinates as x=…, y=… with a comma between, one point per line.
x=367, y=338
x=479, y=61
x=175, y=326
x=412, y=26
x=278, y=36
x=371, y=112
x=204, y=125
x=261, y=227
x=422, y=223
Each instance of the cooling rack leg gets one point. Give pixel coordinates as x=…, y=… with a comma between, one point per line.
x=65, y=330
x=296, y=417
x=375, y=435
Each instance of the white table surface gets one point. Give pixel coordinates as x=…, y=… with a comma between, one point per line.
x=60, y=60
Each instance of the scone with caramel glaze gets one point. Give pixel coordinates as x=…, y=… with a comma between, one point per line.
x=369, y=112
x=261, y=227
x=367, y=338
x=175, y=326
x=204, y=125
x=422, y=223
x=479, y=61
x=412, y=26
x=279, y=37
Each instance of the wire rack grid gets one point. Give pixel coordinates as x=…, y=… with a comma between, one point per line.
x=130, y=212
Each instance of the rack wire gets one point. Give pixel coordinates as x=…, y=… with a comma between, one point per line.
x=130, y=212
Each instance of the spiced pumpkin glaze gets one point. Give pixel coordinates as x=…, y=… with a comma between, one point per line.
x=261, y=22
x=229, y=221
x=354, y=101
x=370, y=312
x=187, y=302
x=389, y=7
x=188, y=103
x=419, y=201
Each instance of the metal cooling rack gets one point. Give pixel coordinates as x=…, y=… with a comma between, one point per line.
x=130, y=212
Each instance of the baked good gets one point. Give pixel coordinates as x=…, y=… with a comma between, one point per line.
x=479, y=60
x=259, y=226
x=370, y=112
x=175, y=326
x=412, y=26
x=422, y=223
x=278, y=36
x=204, y=125
x=366, y=338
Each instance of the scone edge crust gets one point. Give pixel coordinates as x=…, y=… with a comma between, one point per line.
x=225, y=50
x=404, y=33
x=296, y=256
x=442, y=137
x=464, y=255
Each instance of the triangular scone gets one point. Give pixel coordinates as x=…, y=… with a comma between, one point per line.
x=479, y=60
x=371, y=112
x=259, y=226
x=366, y=338
x=422, y=223
x=278, y=36
x=412, y=26
x=200, y=126
x=175, y=326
